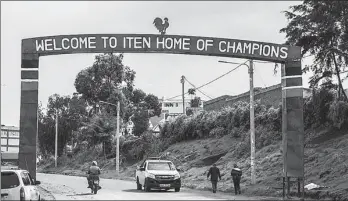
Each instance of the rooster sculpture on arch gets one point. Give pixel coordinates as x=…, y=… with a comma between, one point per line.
x=160, y=25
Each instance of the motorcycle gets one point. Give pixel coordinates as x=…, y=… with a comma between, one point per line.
x=95, y=185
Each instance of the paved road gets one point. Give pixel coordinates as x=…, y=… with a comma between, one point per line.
x=75, y=188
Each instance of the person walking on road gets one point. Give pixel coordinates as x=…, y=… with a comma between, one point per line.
x=236, y=174
x=214, y=174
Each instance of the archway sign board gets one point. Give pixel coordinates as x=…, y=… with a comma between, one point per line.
x=288, y=56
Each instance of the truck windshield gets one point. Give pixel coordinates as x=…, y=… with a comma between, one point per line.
x=160, y=166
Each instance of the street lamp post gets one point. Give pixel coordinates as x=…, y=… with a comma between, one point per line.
x=183, y=94
x=117, y=135
x=118, y=140
x=56, y=141
x=252, y=117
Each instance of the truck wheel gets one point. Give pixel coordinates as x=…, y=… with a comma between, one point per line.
x=139, y=187
x=177, y=189
x=146, y=187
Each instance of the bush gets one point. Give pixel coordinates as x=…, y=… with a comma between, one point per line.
x=338, y=114
x=232, y=120
x=217, y=132
x=136, y=148
x=316, y=108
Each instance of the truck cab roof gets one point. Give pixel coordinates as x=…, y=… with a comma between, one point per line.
x=163, y=161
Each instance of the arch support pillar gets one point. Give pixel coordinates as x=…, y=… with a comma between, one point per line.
x=292, y=124
x=28, y=124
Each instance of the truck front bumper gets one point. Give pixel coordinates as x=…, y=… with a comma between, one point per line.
x=163, y=184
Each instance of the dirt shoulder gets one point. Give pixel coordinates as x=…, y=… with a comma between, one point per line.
x=45, y=194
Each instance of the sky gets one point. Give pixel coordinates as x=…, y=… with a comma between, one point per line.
x=158, y=74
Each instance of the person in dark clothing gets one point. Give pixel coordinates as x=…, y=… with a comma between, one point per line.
x=93, y=173
x=236, y=174
x=214, y=174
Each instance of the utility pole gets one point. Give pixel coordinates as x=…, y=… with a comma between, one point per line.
x=72, y=139
x=252, y=122
x=118, y=140
x=183, y=93
x=56, y=141
x=252, y=118
x=117, y=135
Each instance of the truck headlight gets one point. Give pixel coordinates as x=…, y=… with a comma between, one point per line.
x=149, y=175
x=177, y=176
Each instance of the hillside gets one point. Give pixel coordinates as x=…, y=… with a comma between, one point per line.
x=326, y=164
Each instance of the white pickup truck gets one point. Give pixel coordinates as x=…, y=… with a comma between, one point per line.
x=157, y=174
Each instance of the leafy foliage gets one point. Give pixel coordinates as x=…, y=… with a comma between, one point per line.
x=192, y=91
x=71, y=114
x=338, y=114
x=84, y=119
x=100, y=81
x=100, y=129
x=321, y=29
x=144, y=107
x=196, y=102
x=322, y=109
x=141, y=122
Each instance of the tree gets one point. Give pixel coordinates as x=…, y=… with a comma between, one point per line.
x=138, y=96
x=101, y=80
x=192, y=91
x=71, y=112
x=321, y=29
x=100, y=130
x=189, y=112
x=152, y=103
x=143, y=111
x=141, y=122
x=196, y=102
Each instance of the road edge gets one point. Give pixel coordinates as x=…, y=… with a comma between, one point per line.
x=46, y=193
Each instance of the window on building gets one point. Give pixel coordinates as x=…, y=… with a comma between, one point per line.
x=177, y=104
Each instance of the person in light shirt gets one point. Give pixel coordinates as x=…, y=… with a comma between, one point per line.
x=236, y=174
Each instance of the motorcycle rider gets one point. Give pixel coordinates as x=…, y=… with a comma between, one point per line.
x=93, y=174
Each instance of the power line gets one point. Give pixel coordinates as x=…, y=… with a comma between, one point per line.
x=227, y=74
x=263, y=62
x=197, y=89
x=212, y=80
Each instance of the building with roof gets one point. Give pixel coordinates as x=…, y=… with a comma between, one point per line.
x=156, y=122
x=174, y=107
x=10, y=138
x=171, y=108
x=127, y=129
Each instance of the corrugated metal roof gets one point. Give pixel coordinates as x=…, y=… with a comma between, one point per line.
x=3, y=127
